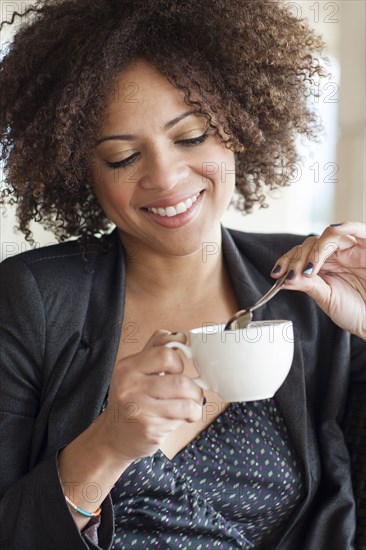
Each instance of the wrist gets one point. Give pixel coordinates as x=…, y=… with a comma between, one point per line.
x=108, y=442
x=88, y=461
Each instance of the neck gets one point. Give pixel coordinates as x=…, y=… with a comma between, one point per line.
x=194, y=277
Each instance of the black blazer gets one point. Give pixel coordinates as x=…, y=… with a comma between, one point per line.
x=61, y=320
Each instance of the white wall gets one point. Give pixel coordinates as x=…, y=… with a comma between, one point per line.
x=332, y=183
x=350, y=199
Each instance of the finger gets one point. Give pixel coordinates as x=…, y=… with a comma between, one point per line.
x=326, y=291
x=161, y=359
x=308, y=259
x=296, y=256
x=187, y=410
x=161, y=337
x=314, y=252
x=319, y=252
x=314, y=286
x=353, y=229
x=175, y=337
x=172, y=386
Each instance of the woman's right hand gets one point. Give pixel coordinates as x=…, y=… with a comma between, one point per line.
x=144, y=407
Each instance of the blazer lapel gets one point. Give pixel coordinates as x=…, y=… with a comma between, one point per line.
x=104, y=319
x=90, y=360
x=250, y=285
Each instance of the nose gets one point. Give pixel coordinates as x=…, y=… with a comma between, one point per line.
x=162, y=171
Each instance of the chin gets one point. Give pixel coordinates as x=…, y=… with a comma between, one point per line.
x=197, y=239
x=184, y=249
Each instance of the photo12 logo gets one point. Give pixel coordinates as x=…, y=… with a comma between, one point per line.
x=9, y=10
x=252, y=333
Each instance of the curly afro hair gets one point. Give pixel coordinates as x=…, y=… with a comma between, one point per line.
x=248, y=66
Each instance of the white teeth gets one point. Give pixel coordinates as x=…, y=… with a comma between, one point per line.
x=179, y=208
x=170, y=211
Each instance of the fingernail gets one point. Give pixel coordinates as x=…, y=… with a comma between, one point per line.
x=308, y=269
x=276, y=269
x=290, y=275
x=177, y=334
x=204, y=401
x=336, y=224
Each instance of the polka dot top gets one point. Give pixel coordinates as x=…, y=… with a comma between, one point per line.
x=234, y=486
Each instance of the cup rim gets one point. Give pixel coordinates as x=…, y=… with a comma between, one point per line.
x=252, y=326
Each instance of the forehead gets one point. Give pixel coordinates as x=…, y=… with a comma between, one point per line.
x=141, y=90
x=142, y=72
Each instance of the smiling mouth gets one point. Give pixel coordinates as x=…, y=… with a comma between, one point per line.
x=175, y=209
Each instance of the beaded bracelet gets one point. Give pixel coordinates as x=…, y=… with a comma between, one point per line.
x=81, y=511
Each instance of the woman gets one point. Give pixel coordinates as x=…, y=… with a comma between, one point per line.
x=140, y=114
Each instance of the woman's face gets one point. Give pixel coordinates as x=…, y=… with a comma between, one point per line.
x=158, y=173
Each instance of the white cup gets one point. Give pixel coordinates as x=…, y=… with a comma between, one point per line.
x=244, y=364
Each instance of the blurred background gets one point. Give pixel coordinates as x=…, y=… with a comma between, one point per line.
x=329, y=184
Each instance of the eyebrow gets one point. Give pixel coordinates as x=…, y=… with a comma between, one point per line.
x=132, y=137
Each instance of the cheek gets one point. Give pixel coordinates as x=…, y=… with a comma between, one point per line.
x=219, y=165
x=110, y=194
x=226, y=175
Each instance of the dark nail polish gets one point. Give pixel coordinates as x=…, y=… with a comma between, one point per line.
x=173, y=333
x=309, y=269
x=276, y=269
x=290, y=275
x=204, y=401
x=336, y=224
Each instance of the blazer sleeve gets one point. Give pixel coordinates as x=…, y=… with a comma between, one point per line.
x=33, y=511
x=358, y=359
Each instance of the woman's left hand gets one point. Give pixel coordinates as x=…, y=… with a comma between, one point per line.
x=332, y=270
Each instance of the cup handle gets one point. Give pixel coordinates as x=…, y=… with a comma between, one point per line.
x=188, y=353
x=185, y=349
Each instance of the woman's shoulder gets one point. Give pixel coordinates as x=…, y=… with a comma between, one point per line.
x=54, y=266
x=261, y=249
x=69, y=252
x=49, y=253
x=266, y=240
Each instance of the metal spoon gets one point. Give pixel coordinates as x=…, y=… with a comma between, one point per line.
x=242, y=318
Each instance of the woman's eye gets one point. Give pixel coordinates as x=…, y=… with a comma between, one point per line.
x=122, y=163
x=193, y=141
x=184, y=142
